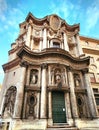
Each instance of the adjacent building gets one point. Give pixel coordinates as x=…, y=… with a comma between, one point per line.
x=51, y=79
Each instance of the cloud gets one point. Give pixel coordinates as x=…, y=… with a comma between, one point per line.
x=1, y=72
x=67, y=10
x=63, y=8
x=14, y=16
x=92, y=15
x=3, y=8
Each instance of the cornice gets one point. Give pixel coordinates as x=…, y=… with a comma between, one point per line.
x=91, y=51
x=52, y=52
x=11, y=64
x=89, y=39
x=46, y=19
x=16, y=48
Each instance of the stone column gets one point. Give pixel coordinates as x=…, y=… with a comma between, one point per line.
x=80, y=51
x=44, y=38
x=67, y=99
x=72, y=93
x=28, y=35
x=43, y=92
x=90, y=95
x=20, y=93
x=50, y=105
x=49, y=75
x=51, y=43
x=65, y=42
x=25, y=103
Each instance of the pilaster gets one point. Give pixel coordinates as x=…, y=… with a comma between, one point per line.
x=20, y=93
x=80, y=51
x=65, y=42
x=28, y=34
x=45, y=36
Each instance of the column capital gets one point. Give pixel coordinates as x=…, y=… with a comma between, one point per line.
x=84, y=71
x=24, y=63
x=69, y=68
x=44, y=66
x=45, y=26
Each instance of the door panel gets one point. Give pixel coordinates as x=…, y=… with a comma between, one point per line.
x=58, y=107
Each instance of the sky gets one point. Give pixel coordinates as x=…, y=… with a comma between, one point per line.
x=13, y=12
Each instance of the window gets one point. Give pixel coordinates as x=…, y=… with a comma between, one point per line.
x=97, y=101
x=95, y=90
x=92, y=77
x=56, y=45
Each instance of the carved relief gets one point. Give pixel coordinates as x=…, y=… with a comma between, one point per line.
x=9, y=102
x=33, y=76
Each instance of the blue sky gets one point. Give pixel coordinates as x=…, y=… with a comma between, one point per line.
x=13, y=12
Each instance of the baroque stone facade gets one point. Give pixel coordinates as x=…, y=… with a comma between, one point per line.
x=46, y=83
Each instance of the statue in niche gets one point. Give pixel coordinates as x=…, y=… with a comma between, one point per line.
x=34, y=76
x=76, y=80
x=9, y=102
x=58, y=78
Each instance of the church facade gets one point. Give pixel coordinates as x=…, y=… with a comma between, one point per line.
x=46, y=84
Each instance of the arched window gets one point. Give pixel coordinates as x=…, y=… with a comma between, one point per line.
x=56, y=44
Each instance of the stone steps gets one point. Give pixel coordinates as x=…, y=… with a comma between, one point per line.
x=95, y=128
x=68, y=128
x=62, y=127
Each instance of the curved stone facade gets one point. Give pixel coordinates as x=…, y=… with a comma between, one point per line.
x=48, y=74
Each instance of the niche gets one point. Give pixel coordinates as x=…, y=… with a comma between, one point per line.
x=34, y=76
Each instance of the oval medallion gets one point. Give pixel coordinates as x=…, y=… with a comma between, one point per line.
x=55, y=22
